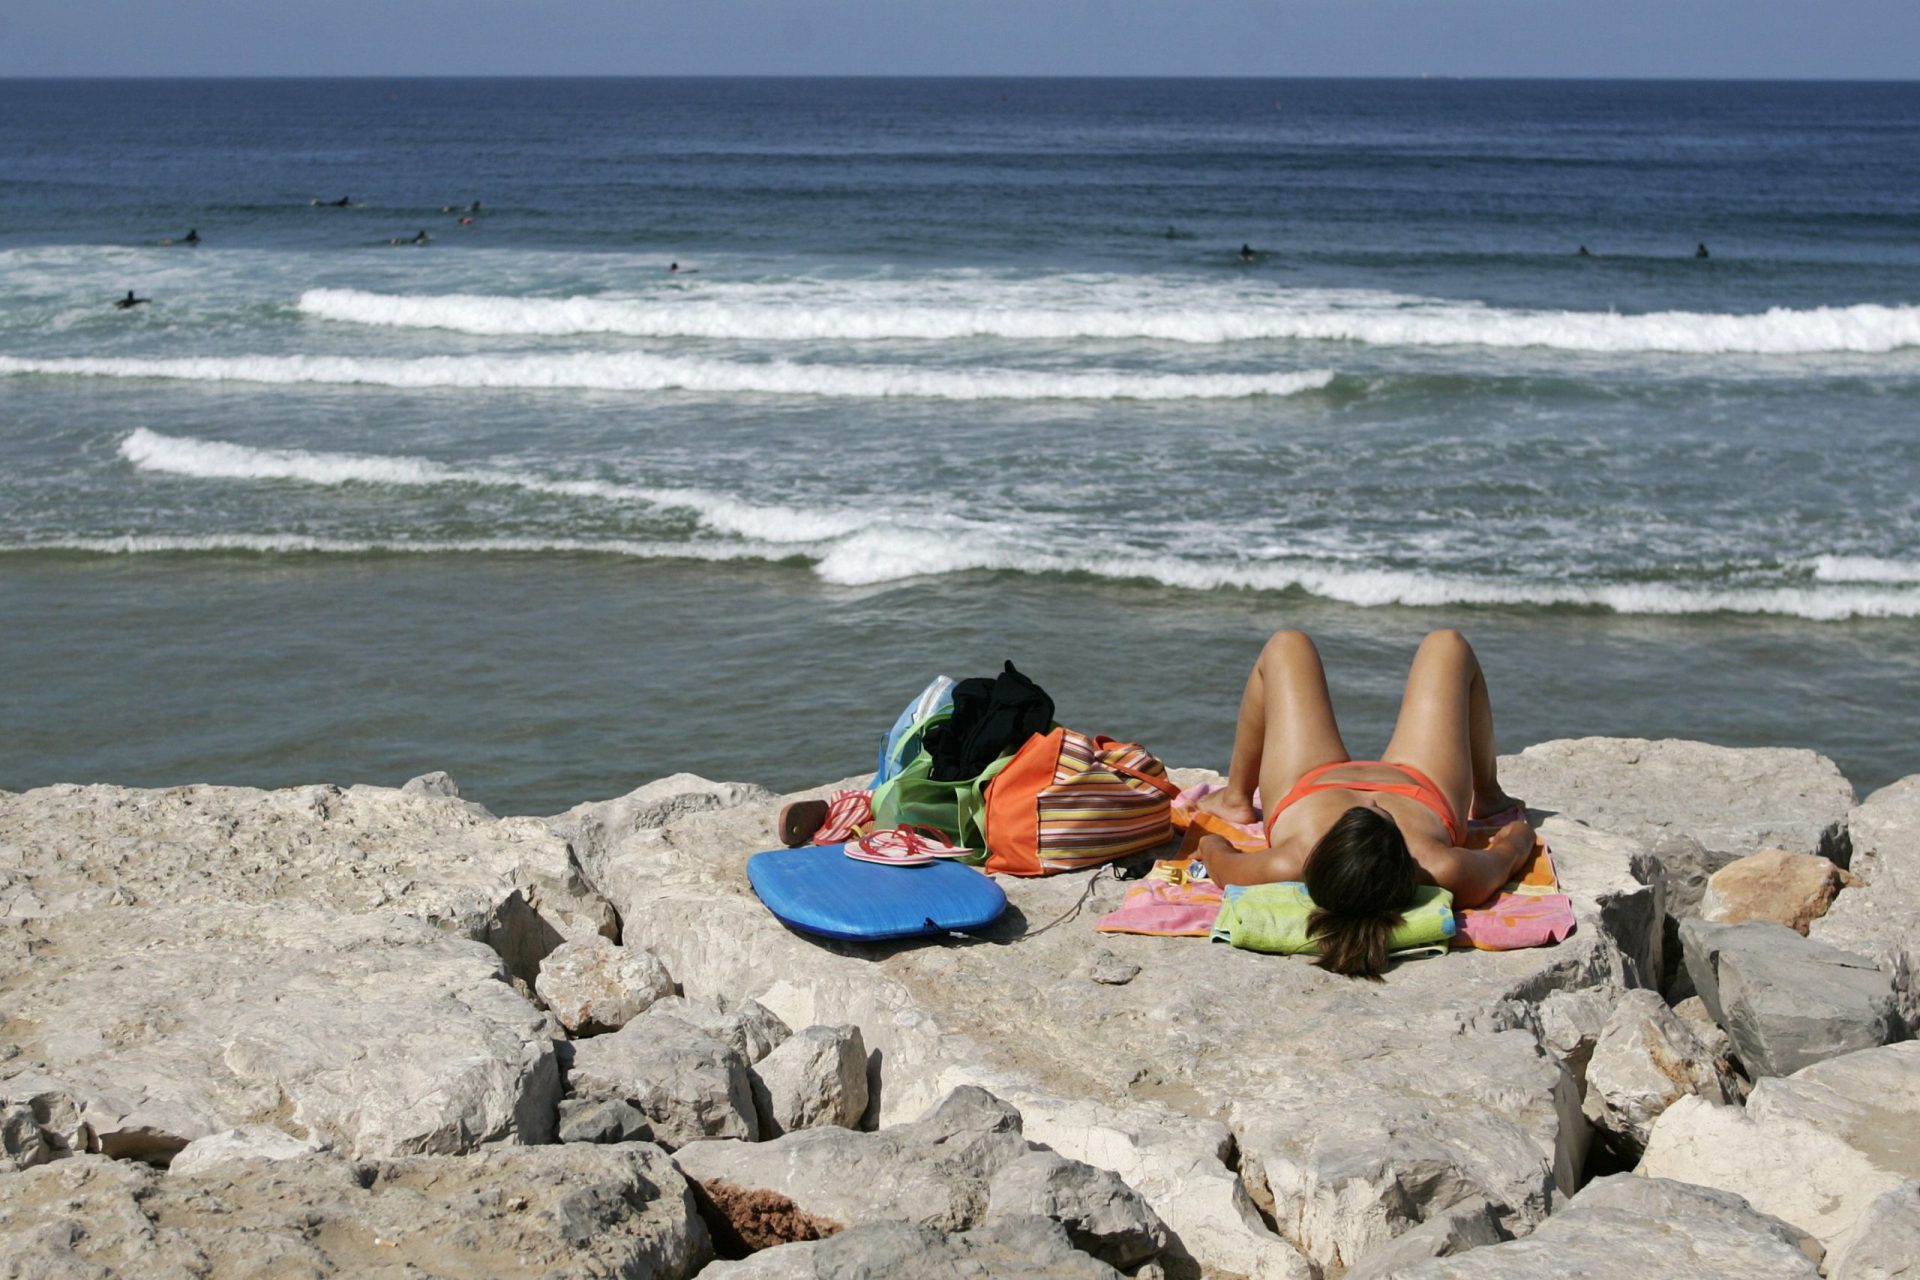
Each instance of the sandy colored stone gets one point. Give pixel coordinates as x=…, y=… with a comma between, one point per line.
x=508, y=1213
x=594, y=984
x=1793, y=889
x=509, y=882
x=377, y=1034
x=1814, y=1148
x=1004, y=1249
x=1648, y=1058
x=1880, y=917
x=817, y=1076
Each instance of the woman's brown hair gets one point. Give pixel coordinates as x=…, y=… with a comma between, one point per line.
x=1359, y=876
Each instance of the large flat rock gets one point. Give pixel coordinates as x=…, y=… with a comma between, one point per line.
x=1880, y=917
x=540, y=1213
x=1733, y=801
x=1814, y=1148
x=510, y=882
x=1628, y=1226
x=1354, y=1110
x=377, y=1033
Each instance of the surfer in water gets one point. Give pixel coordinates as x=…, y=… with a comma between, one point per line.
x=1700, y=250
x=129, y=302
x=344, y=202
x=421, y=238
x=1248, y=253
x=675, y=269
x=1583, y=253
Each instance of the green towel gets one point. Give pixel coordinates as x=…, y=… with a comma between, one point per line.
x=1273, y=918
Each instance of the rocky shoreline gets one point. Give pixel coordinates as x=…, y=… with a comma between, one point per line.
x=344, y=1031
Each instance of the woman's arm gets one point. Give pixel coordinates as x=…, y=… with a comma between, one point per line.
x=1473, y=876
x=1227, y=865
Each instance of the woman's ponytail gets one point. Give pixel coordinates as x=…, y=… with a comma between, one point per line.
x=1359, y=876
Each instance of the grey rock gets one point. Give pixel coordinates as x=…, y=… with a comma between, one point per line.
x=511, y=1213
x=816, y=1077
x=1814, y=1148
x=1884, y=1241
x=1110, y=970
x=510, y=882
x=1005, y=1249
x=1881, y=918
x=593, y=984
x=249, y=1142
x=747, y=1025
x=437, y=783
x=1690, y=868
x=1787, y=1001
x=585, y=1120
x=1103, y=1216
x=1647, y=1059
x=688, y=1089
x=933, y=1172
x=594, y=830
x=1471, y=1224
x=1629, y=1226
x=38, y=1127
x=377, y=1034
x=1731, y=801
x=1570, y=1026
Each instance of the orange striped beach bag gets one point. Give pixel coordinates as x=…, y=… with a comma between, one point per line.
x=1067, y=801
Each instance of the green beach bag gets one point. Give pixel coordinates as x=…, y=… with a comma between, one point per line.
x=912, y=795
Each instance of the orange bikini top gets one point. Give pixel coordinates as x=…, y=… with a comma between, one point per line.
x=1420, y=788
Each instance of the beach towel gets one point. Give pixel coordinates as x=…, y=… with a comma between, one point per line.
x=1168, y=903
x=1187, y=817
x=1273, y=918
x=1529, y=912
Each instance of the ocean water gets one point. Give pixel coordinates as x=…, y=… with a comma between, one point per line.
x=952, y=371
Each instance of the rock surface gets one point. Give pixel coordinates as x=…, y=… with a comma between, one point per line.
x=1005, y=1249
x=588, y=1120
x=510, y=1213
x=1354, y=1114
x=377, y=1034
x=816, y=1077
x=1787, y=1001
x=1647, y=1058
x=933, y=1172
x=508, y=882
x=687, y=1088
x=1880, y=918
x=594, y=984
x=748, y=1027
x=1884, y=1241
x=252, y=1142
x=1102, y=1215
x=1628, y=1226
x=1471, y=1224
x=1793, y=889
x=1813, y=1148
x=1732, y=801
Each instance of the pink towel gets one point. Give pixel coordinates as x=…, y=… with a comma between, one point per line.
x=1165, y=909
x=1515, y=920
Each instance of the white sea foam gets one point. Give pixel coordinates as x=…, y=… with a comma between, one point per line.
x=218, y=460
x=1074, y=307
x=1864, y=569
x=639, y=371
x=874, y=557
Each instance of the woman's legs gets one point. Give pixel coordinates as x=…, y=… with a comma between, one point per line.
x=1445, y=728
x=1286, y=726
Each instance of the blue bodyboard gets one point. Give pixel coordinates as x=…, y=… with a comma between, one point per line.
x=818, y=889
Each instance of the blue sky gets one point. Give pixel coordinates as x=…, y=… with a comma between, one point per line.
x=1709, y=38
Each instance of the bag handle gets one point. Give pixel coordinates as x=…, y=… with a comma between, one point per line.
x=1167, y=785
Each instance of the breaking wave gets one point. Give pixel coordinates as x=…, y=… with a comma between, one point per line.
x=882, y=310
x=639, y=371
x=218, y=460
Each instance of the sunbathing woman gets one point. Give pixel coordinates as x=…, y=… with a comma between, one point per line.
x=1363, y=834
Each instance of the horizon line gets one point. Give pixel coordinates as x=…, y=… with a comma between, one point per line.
x=956, y=75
